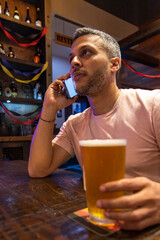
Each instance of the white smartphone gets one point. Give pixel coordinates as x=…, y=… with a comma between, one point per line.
x=69, y=87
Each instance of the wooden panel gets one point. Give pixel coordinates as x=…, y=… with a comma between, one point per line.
x=150, y=47
x=15, y=138
x=10, y=150
x=48, y=42
x=143, y=34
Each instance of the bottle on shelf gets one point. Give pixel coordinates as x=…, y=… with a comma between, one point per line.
x=1, y=90
x=40, y=94
x=6, y=10
x=3, y=125
x=11, y=53
x=37, y=56
x=38, y=19
x=13, y=88
x=13, y=131
x=28, y=19
x=0, y=8
x=16, y=13
x=35, y=90
x=7, y=92
x=2, y=52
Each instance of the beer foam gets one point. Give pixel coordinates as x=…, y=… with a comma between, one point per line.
x=103, y=142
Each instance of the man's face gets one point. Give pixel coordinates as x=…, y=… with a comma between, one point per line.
x=89, y=65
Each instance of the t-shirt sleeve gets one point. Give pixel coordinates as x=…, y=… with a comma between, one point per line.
x=156, y=116
x=63, y=139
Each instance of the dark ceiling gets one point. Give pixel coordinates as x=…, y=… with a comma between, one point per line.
x=136, y=12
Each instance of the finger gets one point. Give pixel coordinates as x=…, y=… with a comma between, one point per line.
x=75, y=98
x=134, y=184
x=57, y=85
x=72, y=100
x=125, y=202
x=137, y=225
x=131, y=215
x=64, y=77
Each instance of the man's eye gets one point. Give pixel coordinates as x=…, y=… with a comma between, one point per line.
x=85, y=52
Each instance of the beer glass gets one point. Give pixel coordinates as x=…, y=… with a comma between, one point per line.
x=103, y=161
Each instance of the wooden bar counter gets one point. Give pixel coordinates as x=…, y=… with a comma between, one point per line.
x=33, y=209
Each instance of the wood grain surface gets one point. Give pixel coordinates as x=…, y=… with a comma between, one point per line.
x=33, y=209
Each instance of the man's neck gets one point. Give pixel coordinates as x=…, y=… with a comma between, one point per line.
x=105, y=101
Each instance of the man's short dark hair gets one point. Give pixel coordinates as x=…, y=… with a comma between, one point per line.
x=110, y=44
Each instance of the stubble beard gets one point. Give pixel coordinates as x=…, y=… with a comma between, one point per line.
x=95, y=83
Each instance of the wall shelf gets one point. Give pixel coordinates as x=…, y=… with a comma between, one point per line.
x=23, y=27
x=22, y=64
x=20, y=100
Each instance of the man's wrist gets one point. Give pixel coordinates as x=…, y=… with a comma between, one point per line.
x=45, y=120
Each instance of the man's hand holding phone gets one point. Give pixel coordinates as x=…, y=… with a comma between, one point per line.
x=60, y=94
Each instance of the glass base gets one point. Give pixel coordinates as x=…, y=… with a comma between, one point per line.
x=101, y=221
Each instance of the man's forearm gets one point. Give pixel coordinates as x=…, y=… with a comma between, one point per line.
x=41, y=152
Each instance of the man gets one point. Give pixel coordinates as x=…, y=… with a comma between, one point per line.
x=113, y=113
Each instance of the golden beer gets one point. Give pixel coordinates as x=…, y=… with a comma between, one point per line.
x=103, y=161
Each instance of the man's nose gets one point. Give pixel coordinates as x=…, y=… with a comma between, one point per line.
x=75, y=62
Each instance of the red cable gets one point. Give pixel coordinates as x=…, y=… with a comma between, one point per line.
x=17, y=120
x=138, y=73
x=24, y=44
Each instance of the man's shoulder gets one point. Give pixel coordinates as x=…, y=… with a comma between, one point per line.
x=79, y=117
x=140, y=92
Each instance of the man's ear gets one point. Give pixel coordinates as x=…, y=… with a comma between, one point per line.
x=115, y=64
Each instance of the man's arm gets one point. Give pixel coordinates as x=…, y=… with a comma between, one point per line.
x=44, y=157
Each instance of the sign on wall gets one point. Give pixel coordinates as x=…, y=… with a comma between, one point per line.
x=63, y=39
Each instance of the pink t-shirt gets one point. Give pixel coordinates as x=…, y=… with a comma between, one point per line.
x=135, y=117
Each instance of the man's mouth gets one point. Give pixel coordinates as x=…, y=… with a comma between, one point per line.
x=77, y=75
